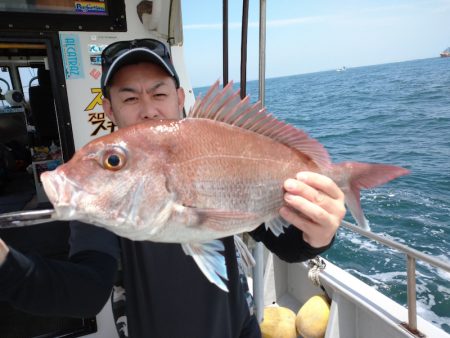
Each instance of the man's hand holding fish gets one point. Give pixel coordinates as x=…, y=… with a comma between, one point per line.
x=316, y=207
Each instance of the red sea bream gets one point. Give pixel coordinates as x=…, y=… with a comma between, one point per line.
x=216, y=173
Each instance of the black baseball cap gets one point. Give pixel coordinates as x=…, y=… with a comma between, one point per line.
x=122, y=53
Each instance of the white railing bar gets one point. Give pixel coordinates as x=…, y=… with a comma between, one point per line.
x=401, y=247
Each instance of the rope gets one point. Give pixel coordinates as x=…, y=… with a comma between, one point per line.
x=316, y=265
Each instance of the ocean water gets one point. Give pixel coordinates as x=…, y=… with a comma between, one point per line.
x=395, y=113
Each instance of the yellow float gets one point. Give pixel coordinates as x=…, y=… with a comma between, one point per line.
x=312, y=318
x=278, y=322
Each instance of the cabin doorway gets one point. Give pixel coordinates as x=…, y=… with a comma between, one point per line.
x=35, y=136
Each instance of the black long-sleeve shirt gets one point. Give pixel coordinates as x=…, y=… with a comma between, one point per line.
x=166, y=294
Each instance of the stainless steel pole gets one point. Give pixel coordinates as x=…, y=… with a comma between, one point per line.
x=411, y=291
x=258, y=251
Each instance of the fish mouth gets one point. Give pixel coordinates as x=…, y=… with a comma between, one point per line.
x=61, y=194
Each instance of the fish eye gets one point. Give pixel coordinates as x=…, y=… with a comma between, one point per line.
x=114, y=159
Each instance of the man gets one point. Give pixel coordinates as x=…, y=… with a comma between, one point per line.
x=161, y=290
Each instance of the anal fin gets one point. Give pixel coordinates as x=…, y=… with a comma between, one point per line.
x=244, y=253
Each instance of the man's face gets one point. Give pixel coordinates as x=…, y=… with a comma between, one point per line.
x=143, y=91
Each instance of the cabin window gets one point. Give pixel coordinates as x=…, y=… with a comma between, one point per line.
x=5, y=83
x=28, y=78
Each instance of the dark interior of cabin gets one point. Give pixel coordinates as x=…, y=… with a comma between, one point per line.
x=30, y=143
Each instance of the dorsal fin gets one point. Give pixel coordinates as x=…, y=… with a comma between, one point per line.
x=225, y=105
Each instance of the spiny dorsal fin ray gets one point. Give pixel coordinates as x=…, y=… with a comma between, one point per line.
x=225, y=105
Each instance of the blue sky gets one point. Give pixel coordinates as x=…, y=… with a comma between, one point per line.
x=315, y=35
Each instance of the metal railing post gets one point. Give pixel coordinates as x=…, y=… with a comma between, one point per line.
x=411, y=293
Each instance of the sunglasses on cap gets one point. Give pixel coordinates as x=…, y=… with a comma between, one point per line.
x=116, y=49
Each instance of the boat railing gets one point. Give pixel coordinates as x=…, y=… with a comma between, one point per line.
x=412, y=255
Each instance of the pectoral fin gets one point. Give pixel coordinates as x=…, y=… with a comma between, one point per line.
x=193, y=216
x=210, y=261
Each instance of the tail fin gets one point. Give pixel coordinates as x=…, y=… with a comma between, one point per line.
x=354, y=176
